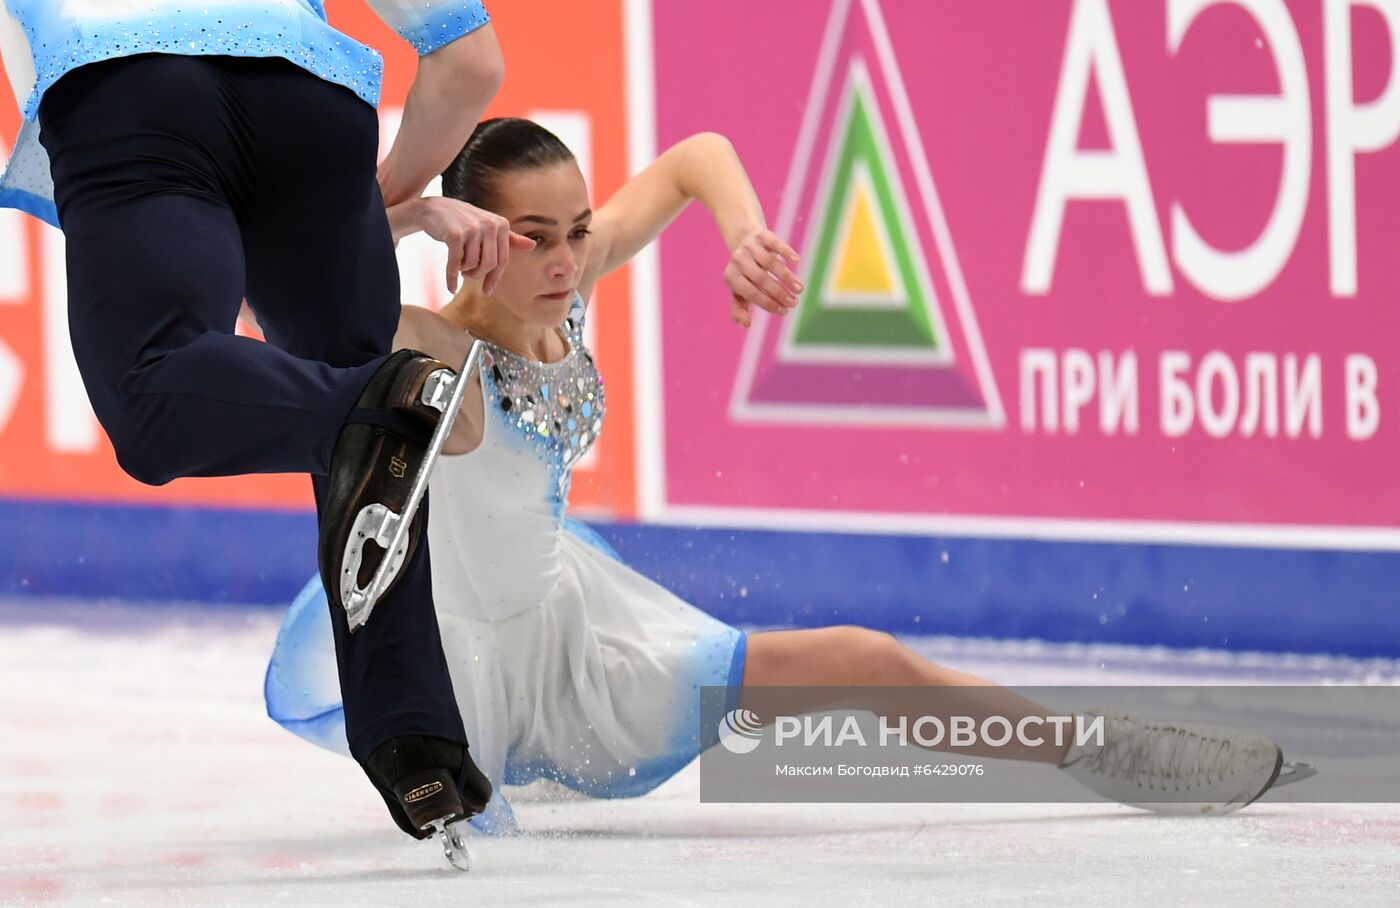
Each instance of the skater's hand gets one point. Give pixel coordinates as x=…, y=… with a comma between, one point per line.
x=760, y=273
x=478, y=242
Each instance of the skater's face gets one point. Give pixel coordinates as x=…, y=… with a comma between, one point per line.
x=550, y=206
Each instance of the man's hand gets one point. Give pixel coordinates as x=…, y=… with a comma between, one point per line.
x=478, y=242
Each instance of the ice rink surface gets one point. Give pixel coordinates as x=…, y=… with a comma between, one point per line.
x=137, y=767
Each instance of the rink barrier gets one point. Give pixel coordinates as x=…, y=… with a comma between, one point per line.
x=1294, y=600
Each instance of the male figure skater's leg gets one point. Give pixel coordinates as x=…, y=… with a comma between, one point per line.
x=153, y=183
x=324, y=282
x=184, y=184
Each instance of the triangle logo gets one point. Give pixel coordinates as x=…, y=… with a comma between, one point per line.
x=864, y=270
x=885, y=332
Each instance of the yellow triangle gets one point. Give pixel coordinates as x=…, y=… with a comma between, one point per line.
x=863, y=265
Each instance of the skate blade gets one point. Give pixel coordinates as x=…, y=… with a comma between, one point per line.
x=454, y=843
x=375, y=523
x=390, y=530
x=1294, y=772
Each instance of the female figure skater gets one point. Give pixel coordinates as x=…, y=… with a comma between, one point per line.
x=568, y=665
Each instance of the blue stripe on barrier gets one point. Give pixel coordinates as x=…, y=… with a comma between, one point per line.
x=155, y=554
x=1173, y=595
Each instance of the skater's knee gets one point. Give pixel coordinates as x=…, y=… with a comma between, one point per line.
x=878, y=657
x=142, y=462
x=139, y=454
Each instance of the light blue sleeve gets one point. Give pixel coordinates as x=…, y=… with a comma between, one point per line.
x=430, y=24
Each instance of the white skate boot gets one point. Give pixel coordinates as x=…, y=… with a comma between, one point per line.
x=1175, y=767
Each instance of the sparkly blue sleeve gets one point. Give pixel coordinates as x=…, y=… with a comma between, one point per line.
x=430, y=24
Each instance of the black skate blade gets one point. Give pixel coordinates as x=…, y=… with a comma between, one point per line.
x=1294, y=772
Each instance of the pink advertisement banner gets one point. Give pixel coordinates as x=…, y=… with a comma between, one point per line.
x=1106, y=262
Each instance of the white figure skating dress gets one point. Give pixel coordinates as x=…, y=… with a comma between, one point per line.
x=566, y=664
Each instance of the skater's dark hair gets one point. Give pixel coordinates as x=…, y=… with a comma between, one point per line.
x=497, y=146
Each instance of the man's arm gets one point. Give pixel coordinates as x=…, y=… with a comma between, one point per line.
x=459, y=72
x=454, y=85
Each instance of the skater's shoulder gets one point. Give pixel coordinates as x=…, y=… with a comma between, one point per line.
x=422, y=329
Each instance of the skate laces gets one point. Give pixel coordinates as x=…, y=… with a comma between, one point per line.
x=1164, y=757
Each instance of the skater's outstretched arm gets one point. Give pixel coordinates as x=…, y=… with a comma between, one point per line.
x=704, y=167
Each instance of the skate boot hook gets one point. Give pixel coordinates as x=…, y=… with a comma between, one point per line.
x=442, y=391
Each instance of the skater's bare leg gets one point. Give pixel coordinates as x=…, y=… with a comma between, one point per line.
x=842, y=658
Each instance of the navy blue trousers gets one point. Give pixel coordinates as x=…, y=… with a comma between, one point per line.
x=183, y=185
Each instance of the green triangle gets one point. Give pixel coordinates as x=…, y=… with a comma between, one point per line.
x=829, y=323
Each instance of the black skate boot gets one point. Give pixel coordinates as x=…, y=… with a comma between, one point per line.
x=370, y=523
x=430, y=785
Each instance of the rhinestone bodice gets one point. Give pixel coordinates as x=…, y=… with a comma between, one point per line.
x=556, y=407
